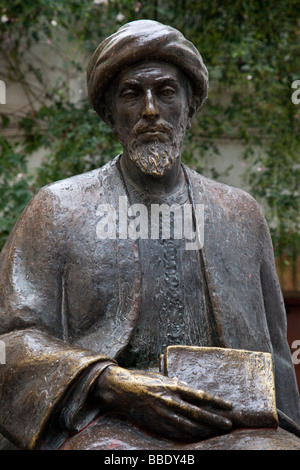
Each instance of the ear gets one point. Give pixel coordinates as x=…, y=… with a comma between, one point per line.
x=106, y=115
x=109, y=120
x=191, y=115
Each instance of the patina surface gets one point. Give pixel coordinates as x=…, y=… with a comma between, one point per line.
x=82, y=314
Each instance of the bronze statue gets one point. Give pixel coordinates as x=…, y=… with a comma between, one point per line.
x=86, y=311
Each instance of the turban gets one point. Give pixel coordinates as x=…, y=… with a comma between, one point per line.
x=144, y=40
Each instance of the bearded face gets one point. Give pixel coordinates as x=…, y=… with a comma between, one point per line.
x=155, y=148
x=149, y=112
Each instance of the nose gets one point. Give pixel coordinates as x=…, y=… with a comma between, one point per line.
x=150, y=107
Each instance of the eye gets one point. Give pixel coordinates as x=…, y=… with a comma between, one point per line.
x=129, y=94
x=167, y=91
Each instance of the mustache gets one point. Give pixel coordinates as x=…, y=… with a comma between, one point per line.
x=158, y=126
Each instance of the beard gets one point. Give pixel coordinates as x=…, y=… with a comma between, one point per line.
x=155, y=157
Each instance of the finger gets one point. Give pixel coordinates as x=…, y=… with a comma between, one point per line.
x=197, y=414
x=178, y=427
x=199, y=396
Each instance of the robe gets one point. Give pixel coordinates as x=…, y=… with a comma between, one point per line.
x=69, y=301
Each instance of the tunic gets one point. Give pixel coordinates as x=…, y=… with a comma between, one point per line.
x=172, y=310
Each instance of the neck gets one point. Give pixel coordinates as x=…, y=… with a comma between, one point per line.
x=167, y=183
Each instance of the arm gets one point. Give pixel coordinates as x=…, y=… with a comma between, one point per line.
x=287, y=395
x=40, y=366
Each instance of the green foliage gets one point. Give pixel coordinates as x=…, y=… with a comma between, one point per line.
x=15, y=186
x=251, y=49
x=75, y=141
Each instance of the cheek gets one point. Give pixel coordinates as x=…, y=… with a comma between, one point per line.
x=123, y=125
x=177, y=113
x=179, y=121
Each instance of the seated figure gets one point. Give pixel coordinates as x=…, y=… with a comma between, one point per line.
x=92, y=291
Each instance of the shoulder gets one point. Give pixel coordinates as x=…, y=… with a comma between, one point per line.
x=229, y=198
x=59, y=200
x=78, y=186
x=230, y=208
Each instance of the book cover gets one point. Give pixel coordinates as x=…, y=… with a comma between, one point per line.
x=243, y=377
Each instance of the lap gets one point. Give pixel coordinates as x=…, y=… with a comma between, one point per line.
x=115, y=433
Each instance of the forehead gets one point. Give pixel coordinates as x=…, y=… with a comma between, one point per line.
x=148, y=72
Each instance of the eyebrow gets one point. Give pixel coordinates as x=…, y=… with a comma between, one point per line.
x=166, y=80
x=132, y=82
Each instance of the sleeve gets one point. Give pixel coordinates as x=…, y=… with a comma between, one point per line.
x=40, y=367
x=287, y=395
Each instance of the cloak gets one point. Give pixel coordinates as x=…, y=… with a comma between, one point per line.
x=69, y=301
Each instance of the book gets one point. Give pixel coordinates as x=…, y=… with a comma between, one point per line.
x=245, y=378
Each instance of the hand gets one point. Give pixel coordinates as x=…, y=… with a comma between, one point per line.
x=165, y=406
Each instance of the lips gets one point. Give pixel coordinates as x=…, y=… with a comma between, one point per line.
x=152, y=132
x=153, y=135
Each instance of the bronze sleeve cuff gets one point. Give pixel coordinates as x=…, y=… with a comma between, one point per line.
x=78, y=408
